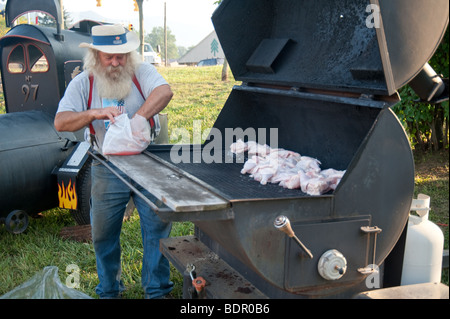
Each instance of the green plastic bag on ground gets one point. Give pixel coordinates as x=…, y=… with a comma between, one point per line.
x=44, y=285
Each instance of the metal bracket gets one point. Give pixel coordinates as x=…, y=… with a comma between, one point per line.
x=368, y=270
x=370, y=230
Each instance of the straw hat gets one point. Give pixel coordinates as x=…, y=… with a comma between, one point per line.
x=112, y=39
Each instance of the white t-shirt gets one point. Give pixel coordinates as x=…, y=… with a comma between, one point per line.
x=76, y=97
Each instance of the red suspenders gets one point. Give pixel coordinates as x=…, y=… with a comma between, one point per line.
x=91, y=127
x=136, y=82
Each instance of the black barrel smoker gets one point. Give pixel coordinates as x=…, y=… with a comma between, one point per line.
x=36, y=65
x=322, y=75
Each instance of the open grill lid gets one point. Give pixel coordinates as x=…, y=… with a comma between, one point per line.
x=370, y=47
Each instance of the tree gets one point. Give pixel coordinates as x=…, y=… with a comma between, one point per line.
x=427, y=124
x=156, y=37
x=3, y=28
x=225, y=62
x=182, y=50
x=46, y=20
x=43, y=19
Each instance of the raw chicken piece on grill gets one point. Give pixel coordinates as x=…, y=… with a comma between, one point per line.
x=307, y=163
x=282, y=153
x=291, y=182
x=286, y=168
x=257, y=149
x=282, y=175
x=238, y=147
x=250, y=165
x=263, y=173
x=332, y=176
x=313, y=184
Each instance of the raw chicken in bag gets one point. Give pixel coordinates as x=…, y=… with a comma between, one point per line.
x=127, y=137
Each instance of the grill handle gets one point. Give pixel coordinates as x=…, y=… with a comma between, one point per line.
x=283, y=224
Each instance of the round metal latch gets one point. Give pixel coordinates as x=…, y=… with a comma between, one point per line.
x=332, y=265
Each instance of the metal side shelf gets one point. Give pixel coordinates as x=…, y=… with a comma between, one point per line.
x=182, y=199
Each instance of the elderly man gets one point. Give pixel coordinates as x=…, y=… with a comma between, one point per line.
x=106, y=89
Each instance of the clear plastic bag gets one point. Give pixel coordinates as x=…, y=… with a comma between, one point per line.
x=45, y=285
x=127, y=137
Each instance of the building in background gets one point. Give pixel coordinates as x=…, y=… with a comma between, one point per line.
x=208, y=49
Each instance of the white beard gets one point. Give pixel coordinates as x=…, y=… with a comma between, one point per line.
x=112, y=82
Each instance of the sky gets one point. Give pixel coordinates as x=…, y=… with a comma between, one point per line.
x=188, y=20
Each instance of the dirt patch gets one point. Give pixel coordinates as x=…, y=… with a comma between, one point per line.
x=80, y=233
x=432, y=164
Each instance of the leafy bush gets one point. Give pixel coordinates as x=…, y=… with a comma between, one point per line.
x=427, y=124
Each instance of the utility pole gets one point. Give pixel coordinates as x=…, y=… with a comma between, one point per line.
x=62, y=13
x=165, y=35
x=141, y=27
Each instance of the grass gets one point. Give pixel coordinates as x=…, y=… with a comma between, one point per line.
x=22, y=256
x=199, y=95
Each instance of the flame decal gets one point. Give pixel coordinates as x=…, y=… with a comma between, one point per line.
x=67, y=196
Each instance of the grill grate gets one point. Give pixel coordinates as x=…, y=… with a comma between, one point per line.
x=227, y=181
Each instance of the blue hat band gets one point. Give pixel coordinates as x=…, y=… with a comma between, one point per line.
x=109, y=39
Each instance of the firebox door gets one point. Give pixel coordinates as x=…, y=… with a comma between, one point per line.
x=344, y=236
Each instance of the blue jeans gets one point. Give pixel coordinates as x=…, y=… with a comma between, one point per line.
x=109, y=197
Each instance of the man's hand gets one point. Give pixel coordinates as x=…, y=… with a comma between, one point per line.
x=74, y=121
x=107, y=113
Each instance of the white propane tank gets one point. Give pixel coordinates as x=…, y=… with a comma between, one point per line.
x=424, y=246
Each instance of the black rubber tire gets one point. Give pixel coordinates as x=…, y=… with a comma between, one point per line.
x=83, y=187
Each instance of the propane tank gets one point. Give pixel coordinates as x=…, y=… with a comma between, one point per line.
x=424, y=246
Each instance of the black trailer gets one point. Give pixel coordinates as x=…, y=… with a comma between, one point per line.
x=37, y=63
